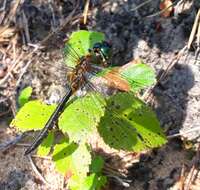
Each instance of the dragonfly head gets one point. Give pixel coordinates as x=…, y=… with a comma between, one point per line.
x=103, y=49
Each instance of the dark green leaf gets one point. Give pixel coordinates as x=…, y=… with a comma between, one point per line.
x=97, y=164
x=129, y=124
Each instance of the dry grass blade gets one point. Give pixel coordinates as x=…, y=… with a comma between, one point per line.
x=193, y=174
x=3, y=12
x=67, y=21
x=198, y=34
x=14, y=10
x=17, y=63
x=25, y=68
x=182, y=178
x=3, y=6
x=85, y=12
x=26, y=28
x=141, y=5
x=5, y=33
x=194, y=30
x=190, y=178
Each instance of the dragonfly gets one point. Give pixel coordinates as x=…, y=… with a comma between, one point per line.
x=97, y=57
x=131, y=77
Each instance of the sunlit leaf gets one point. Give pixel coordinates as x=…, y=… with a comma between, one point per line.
x=131, y=125
x=91, y=182
x=72, y=158
x=138, y=75
x=33, y=116
x=24, y=96
x=79, y=118
x=45, y=147
x=78, y=45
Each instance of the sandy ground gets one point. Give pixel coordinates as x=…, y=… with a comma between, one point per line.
x=133, y=34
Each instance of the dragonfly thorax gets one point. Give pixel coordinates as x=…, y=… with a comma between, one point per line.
x=97, y=58
x=78, y=76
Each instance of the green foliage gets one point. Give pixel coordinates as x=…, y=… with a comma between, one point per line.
x=72, y=158
x=133, y=126
x=97, y=164
x=25, y=96
x=91, y=182
x=138, y=76
x=123, y=121
x=33, y=116
x=45, y=147
x=82, y=116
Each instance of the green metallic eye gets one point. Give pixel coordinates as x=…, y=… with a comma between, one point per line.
x=103, y=48
x=106, y=51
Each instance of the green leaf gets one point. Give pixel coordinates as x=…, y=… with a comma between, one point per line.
x=80, y=117
x=97, y=164
x=25, y=95
x=45, y=147
x=138, y=75
x=129, y=124
x=72, y=158
x=91, y=182
x=78, y=45
x=32, y=116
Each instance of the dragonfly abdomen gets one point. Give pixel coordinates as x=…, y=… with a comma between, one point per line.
x=50, y=123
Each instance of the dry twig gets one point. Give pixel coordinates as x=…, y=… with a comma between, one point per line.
x=141, y=5
x=17, y=64
x=194, y=30
x=37, y=172
x=194, y=170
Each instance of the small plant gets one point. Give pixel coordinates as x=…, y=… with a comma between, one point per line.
x=123, y=121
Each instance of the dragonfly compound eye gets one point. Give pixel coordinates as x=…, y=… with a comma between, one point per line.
x=106, y=50
x=103, y=48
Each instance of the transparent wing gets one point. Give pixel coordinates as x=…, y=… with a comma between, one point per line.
x=130, y=77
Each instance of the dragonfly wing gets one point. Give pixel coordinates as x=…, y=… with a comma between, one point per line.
x=79, y=44
x=133, y=76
